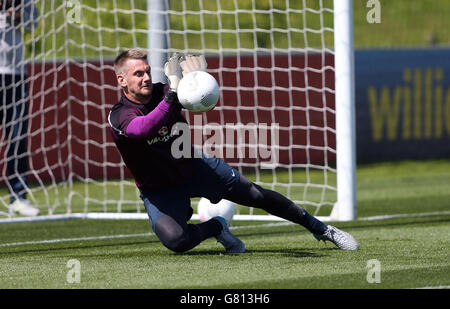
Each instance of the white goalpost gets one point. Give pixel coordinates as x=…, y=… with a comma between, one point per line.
x=345, y=207
x=285, y=117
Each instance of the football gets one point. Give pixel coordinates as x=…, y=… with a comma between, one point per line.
x=207, y=210
x=198, y=91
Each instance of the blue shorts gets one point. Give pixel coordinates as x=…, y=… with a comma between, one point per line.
x=213, y=179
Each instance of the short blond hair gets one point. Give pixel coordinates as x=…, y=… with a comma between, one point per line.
x=121, y=59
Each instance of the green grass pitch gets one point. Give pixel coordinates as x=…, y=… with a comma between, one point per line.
x=412, y=251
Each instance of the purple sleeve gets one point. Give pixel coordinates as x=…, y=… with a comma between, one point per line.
x=148, y=125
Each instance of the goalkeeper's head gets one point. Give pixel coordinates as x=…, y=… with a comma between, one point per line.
x=133, y=74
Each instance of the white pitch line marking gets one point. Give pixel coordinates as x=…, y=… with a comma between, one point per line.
x=53, y=241
x=373, y=218
x=434, y=287
x=103, y=237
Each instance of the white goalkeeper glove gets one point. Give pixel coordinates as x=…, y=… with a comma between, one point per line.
x=173, y=71
x=191, y=63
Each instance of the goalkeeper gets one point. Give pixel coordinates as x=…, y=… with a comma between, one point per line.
x=141, y=123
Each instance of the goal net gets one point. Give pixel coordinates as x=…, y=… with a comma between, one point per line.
x=275, y=121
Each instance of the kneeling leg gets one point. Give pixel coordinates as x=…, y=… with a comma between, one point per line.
x=181, y=238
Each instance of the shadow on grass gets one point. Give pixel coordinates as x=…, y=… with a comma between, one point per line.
x=295, y=253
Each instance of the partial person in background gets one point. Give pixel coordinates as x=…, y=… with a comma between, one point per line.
x=15, y=15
